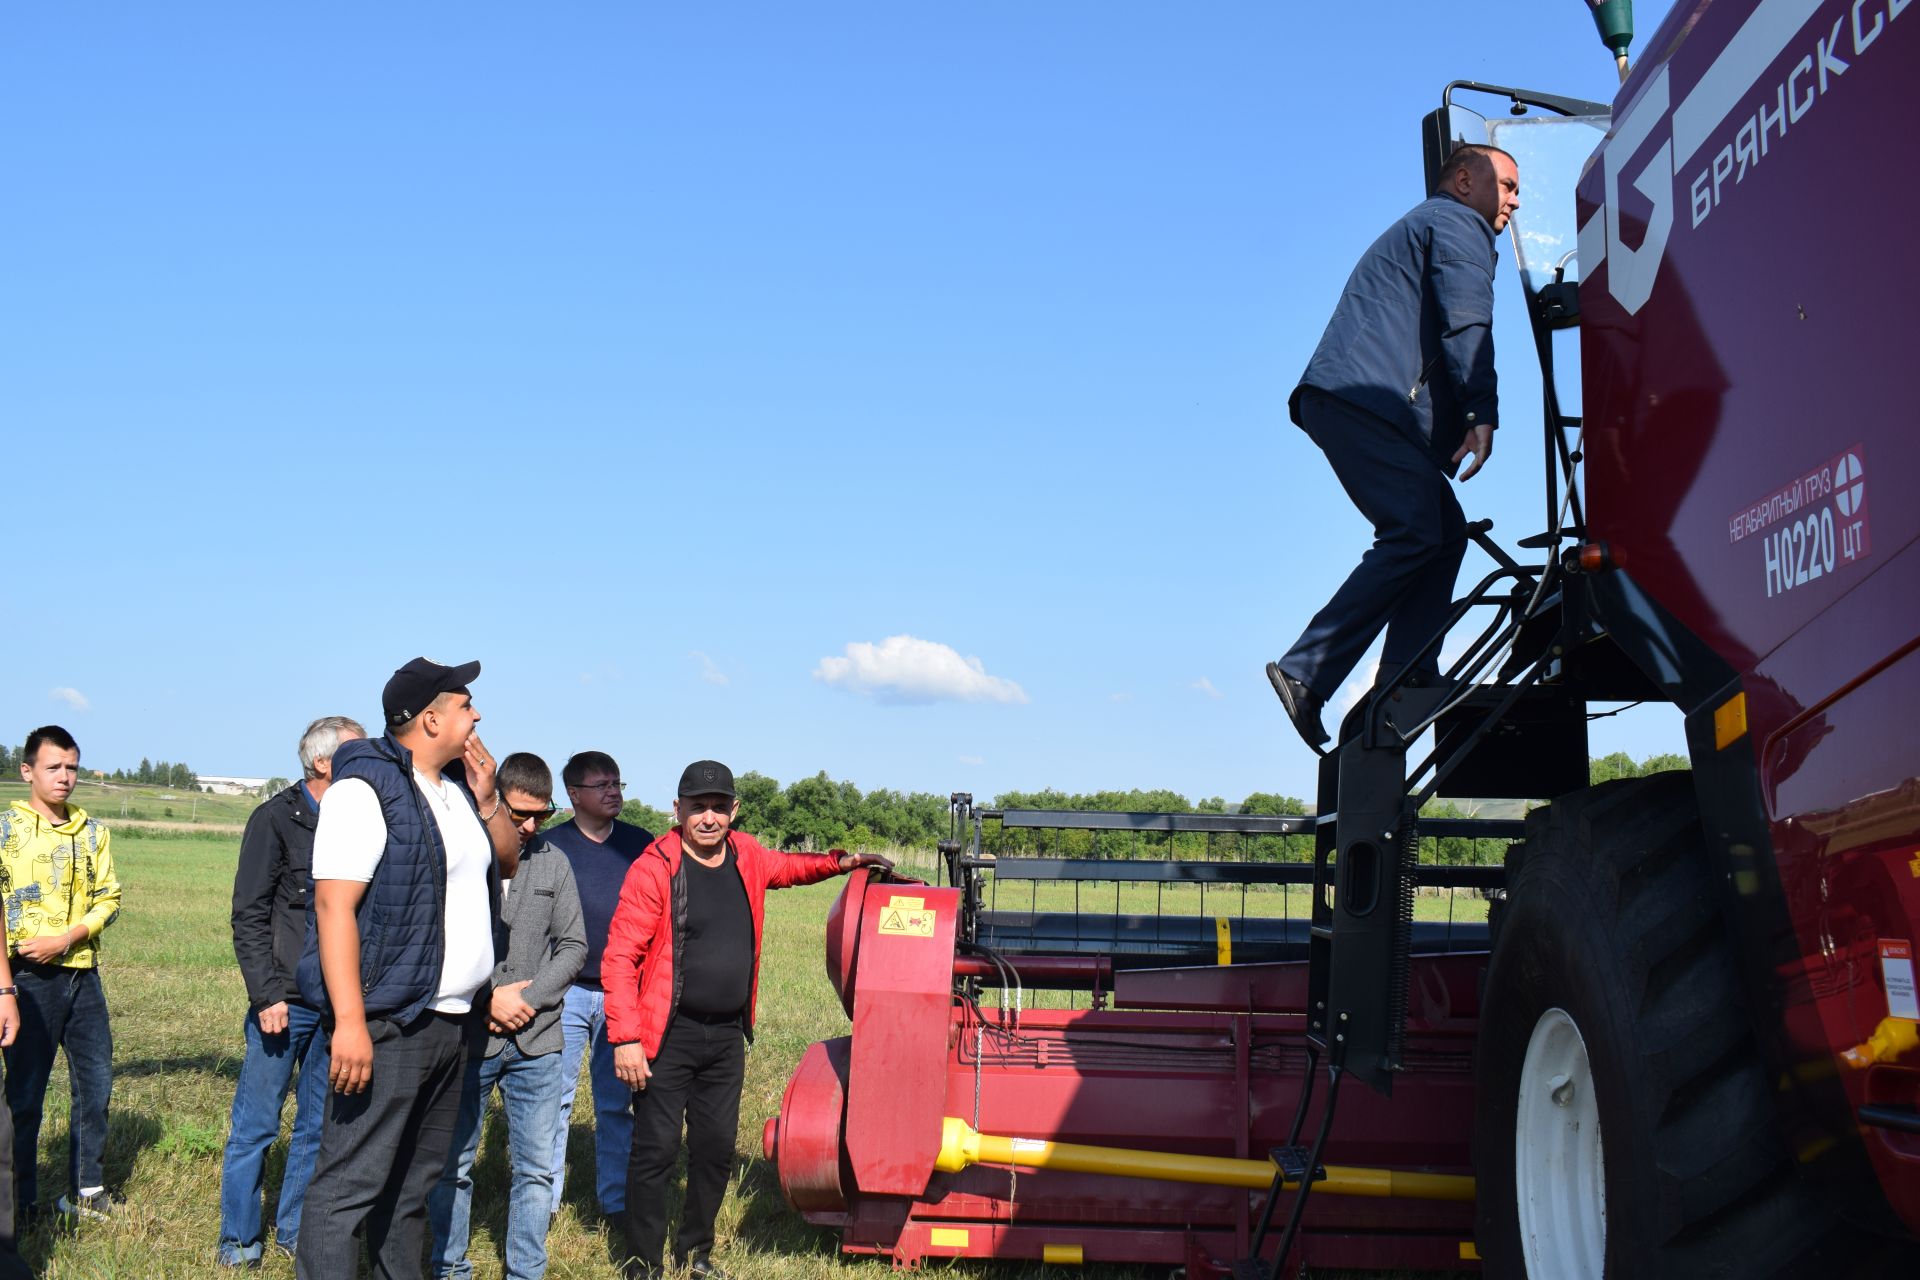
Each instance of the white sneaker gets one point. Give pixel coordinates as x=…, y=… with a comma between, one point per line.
x=98, y=1206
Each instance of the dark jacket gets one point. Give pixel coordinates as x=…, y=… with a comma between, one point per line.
x=1412, y=338
x=546, y=944
x=641, y=969
x=273, y=896
x=401, y=916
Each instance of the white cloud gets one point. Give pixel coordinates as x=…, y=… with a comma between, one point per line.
x=72, y=697
x=1348, y=696
x=1119, y=697
x=708, y=671
x=973, y=760
x=907, y=669
x=1205, y=686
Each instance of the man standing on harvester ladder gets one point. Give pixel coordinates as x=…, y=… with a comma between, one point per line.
x=1399, y=392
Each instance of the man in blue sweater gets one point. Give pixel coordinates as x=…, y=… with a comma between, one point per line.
x=600, y=847
x=1399, y=392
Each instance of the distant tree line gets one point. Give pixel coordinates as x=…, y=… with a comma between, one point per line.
x=158, y=773
x=819, y=813
x=1620, y=765
x=161, y=774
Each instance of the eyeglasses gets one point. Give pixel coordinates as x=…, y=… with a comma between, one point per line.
x=528, y=815
x=610, y=785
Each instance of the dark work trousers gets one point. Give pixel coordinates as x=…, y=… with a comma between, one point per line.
x=59, y=1008
x=696, y=1078
x=382, y=1151
x=11, y=1267
x=1405, y=580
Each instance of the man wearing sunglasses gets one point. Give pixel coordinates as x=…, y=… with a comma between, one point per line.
x=681, y=969
x=600, y=847
x=546, y=941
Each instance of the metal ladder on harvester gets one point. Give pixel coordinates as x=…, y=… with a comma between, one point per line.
x=1366, y=868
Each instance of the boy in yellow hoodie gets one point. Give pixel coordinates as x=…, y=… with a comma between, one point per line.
x=59, y=892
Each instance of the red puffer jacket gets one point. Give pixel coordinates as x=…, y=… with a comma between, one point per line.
x=641, y=968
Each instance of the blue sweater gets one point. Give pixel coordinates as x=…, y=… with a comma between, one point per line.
x=599, y=870
x=1412, y=338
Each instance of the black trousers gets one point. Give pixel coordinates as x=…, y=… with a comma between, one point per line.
x=11, y=1267
x=696, y=1081
x=382, y=1151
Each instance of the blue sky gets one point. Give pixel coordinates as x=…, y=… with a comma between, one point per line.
x=890, y=389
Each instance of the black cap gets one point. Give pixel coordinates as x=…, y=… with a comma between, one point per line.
x=418, y=683
x=706, y=778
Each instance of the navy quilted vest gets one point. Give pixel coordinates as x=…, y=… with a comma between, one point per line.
x=402, y=941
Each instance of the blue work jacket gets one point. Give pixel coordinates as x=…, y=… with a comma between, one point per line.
x=1412, y=338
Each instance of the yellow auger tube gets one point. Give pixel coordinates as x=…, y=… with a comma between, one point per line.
x=961, y=1148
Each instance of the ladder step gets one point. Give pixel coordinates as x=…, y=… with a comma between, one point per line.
x=1292, y=1161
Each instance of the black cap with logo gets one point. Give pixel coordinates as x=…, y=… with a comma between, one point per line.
x=706, y=778
x=417, y=684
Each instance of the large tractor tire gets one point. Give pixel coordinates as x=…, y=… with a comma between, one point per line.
x=1625, y=1127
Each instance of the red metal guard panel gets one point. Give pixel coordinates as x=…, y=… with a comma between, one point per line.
x=901, y=1013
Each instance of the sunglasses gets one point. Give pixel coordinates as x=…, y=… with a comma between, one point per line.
x=528, y=815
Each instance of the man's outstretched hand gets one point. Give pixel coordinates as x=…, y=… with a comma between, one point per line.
x=848, y=861
x=1479, y=443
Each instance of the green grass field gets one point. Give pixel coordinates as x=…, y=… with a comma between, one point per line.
x=136, y=802
x=178, y=1002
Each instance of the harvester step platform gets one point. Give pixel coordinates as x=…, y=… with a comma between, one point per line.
x=1292, y=1163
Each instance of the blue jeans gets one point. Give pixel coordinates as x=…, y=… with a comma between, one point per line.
x=584, y=1019
x=530, y=1089
x=59, y=1008
x=266, y=1073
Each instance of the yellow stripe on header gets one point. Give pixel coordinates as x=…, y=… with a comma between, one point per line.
x=1062, y=1255
x=1223, y=939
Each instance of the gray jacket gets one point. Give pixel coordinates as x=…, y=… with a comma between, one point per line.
x=1412, y=338
x=546, y=943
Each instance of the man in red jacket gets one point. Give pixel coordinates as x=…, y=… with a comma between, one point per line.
x=681, y=970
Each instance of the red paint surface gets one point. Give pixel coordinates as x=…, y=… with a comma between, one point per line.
x=901, y=1008
x=1166, y=1080
x=1777, y=339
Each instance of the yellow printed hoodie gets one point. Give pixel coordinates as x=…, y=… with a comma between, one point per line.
x=54, y=876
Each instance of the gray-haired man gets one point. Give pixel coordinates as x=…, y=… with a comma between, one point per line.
x=272, y=897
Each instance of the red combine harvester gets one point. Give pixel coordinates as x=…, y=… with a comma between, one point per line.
x=1683, y=1043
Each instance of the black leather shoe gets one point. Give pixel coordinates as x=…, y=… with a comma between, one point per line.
x=1302, y=707
x=702, y=1268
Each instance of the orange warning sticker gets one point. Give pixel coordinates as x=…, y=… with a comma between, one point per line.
x=907, y=922
x=1914, y=866
x=1896, y=973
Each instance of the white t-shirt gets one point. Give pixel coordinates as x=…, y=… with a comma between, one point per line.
x=351, y=838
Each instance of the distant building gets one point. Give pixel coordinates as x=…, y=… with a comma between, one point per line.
x=224, y=786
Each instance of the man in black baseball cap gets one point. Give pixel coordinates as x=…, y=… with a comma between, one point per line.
x=409, y=851
x=412, y=688
x=681, y=970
